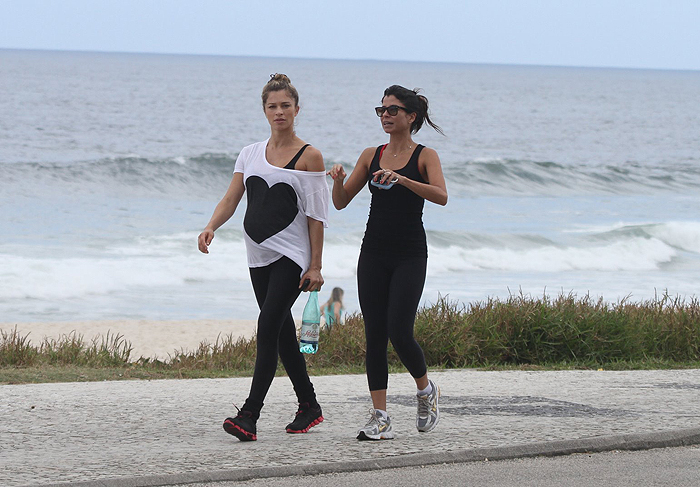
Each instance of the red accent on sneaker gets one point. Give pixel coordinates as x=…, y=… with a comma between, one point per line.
x=233, y=429
x=318, y=420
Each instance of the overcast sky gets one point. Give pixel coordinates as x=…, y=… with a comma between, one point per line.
x=663, y=34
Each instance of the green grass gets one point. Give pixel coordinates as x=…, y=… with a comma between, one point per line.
x=521, y=332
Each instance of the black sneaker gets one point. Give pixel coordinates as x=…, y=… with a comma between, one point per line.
x=242, y=426
x=307, y=417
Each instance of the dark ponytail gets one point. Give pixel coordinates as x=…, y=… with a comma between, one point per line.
x=415, y=103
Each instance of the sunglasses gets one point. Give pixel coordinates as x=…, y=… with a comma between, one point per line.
x=393, y=110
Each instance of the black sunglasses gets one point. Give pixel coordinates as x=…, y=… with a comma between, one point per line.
x=393, y=110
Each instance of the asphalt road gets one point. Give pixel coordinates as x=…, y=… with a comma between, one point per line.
x=678, y=467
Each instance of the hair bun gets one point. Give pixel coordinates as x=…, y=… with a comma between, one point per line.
x=281, y=78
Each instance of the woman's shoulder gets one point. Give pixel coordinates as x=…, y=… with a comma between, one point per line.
x=250, y=155
x=312, y=159
x=257, y=145
x=253, y=148
x=313, y=152
x=428, y=153
x=369, y=152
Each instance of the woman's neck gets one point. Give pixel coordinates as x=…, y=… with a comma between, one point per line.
x=398, y=143
x=281, y=139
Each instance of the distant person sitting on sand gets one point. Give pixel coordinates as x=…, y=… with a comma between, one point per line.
x=332, y=310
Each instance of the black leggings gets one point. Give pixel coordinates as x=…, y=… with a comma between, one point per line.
x=276, y=287
x=390, y=292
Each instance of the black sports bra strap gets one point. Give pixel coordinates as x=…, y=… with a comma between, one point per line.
x=292, y=164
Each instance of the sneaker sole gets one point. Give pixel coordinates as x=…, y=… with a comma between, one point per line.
x=318, y=420
x=235, y=430
x=362, y=436
x=437, y=420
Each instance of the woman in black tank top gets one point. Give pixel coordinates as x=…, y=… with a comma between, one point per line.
x=401, y=175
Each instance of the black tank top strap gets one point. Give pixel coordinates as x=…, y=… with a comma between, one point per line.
x=374, y=165
x=411, y=169
x=292, y=164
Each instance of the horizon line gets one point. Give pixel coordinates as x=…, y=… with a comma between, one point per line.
x=305, y=58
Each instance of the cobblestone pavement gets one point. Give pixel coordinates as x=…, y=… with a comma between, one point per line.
x=71, y=432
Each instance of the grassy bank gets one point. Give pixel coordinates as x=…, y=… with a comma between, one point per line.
x=520, y=332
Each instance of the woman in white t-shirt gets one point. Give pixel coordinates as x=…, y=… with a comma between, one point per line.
x=286, y=213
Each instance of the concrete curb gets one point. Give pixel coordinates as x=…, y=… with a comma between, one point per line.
x=631, y=442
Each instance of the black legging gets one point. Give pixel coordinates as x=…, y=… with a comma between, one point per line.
x=390, y=290
x=276, y=287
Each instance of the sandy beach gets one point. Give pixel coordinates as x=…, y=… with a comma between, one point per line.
x=148, y=338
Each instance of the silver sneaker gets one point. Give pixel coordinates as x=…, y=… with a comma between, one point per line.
x=377, y=428
x=428, y=411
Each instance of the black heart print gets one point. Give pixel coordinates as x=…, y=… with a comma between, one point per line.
x=270, y=209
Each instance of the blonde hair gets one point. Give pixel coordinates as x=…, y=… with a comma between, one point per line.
x=279, y=82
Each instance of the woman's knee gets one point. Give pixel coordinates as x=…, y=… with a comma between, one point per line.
x=403, y=342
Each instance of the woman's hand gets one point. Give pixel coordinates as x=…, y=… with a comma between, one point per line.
x=343, y=193
x=386, y=176
x=315, y=280
x=337, y=173
x=204, y=240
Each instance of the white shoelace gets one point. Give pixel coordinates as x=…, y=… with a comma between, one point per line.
x=374, y=417
x=423, y=405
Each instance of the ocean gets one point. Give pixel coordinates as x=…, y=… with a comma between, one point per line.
x=579, y=181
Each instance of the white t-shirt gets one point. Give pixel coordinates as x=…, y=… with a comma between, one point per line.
x=279, y=202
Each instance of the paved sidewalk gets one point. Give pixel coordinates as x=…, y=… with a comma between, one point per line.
x=168, y=432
